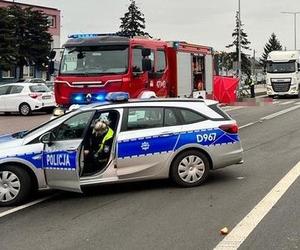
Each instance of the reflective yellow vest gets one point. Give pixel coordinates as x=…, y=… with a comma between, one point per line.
x=108, y=136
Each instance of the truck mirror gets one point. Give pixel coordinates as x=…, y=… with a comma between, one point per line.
x=146, y=52
x=147, y=64
x=52, y=54
x=51, y=68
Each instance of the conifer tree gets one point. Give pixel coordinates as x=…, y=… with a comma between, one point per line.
x=246, y=64
x=8, y=50
x=271, y=45
x=31, y=39
x=133, y=22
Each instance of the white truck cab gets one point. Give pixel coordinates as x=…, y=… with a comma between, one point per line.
x=283, y=73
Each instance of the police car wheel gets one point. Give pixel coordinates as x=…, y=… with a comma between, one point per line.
x=190, y=168
x=15, y=185
x=25, y=109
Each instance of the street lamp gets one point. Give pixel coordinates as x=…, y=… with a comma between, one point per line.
x=295, y=24
x=239, y=64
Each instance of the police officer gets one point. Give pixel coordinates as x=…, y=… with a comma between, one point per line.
x=251, y=84
x=100, y=144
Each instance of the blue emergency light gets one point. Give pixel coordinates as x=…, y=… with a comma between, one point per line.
x=82, y=98
x=78, y=36
x=117, y=97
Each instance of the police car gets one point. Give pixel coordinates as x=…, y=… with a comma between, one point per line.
x=181, y=139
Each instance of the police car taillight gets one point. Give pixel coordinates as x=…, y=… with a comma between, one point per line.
x=230, y=128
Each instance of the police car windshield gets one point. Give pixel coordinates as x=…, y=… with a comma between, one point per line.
x=109, y=59
x=56, y=120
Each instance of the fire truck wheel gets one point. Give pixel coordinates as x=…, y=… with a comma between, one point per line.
x=190, y=168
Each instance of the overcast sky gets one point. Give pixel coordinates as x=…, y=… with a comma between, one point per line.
x=207, y=22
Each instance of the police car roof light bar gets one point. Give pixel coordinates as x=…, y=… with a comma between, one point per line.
x=117, y=97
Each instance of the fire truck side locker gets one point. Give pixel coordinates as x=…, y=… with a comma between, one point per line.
x=184, y=74
x=209, y=74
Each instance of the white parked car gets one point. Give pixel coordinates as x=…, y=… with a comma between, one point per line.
x=26, y=98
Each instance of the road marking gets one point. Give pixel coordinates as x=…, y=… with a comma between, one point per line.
x=243, y=229
x=30, y=204
x=232, y=108
x=268, y=117
x=247, y=125
x=286, y=103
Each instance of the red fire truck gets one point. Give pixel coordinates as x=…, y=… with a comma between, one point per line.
x=94, y=64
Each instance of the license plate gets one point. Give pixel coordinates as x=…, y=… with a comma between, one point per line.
x=46, y=97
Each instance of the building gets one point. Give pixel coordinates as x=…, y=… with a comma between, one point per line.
x=54, y=19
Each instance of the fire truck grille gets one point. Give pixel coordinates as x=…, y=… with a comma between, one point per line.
x=281, y=86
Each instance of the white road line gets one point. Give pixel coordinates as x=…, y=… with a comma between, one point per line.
x=30, y=204
x=243, y=229
x=232, y=108
x=268, y=117
x=247, y=125
x=286, y=103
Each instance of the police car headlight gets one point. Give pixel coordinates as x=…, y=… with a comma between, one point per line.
x=58, y=112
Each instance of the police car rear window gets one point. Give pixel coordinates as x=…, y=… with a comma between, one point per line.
x=180, y=116
x=218, y=110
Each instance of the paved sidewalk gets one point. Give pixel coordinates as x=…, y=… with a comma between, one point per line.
x=260, y=90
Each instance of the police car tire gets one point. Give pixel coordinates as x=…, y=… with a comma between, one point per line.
x=25, y=185
x=25, y=105
x=175, y=165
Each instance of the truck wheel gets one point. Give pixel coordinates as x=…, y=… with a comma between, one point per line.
x=190, y=168
x=15, y=185
x=25, y=109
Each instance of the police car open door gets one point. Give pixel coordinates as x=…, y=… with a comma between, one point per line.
x=62, y=157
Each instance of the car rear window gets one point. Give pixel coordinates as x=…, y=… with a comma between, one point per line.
x=218, y=110
x=39, y=88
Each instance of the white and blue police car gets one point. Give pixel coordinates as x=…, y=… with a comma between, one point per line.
x=181, y=139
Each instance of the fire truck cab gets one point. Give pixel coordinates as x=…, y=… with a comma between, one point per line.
x=93, y=65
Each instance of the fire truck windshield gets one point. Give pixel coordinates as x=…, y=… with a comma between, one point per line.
x=93, y=60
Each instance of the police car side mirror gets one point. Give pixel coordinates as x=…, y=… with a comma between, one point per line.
x=47, y=138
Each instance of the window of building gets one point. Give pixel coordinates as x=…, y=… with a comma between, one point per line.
x=52, y=21
x=28, y=71
x=161, y=61
x=11, y=73
x=144, y=118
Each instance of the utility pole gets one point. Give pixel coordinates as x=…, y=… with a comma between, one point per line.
x=239, y=63
x=294, y=13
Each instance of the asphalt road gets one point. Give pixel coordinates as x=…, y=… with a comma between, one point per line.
x=159, y=215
